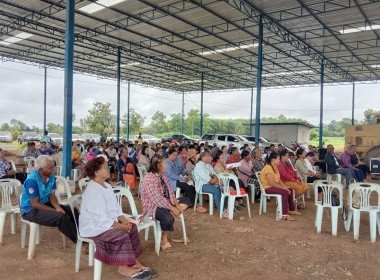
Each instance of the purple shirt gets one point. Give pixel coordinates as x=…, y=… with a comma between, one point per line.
x=345, y=160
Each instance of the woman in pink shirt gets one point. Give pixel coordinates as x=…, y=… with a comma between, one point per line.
x=90, y=152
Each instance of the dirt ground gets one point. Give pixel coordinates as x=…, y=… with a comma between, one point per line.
x=256, y=248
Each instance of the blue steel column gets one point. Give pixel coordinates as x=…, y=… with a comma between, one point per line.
x=183, y=110
x=118, y=94
x=129, y=95
x=259, y=73
x=202, y=86
x=353, y=104
x=251, y=115
x=321, y=108
x=45, y=74
x=68, y=88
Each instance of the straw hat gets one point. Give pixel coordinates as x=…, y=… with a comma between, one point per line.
x=191, y=153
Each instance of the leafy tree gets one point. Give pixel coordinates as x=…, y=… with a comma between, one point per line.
x=99, y=118
x=5, y=127
x=175, y=123
x=158, y=123
x=136, y=122
x=370, y=116
x=19, y=125
x=55, y=128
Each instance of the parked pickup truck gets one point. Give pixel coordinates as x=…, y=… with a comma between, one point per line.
x=225, y=139
x=180, y=138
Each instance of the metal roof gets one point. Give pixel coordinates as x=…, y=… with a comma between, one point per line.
x=168, y=44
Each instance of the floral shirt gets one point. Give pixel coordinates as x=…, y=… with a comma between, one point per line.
x=4, y=165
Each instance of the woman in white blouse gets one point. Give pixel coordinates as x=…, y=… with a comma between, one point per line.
x=102, y=220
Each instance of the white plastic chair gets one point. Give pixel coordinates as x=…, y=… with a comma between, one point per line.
x=338, y=177
x=302, y=195
x=75, y=202
x=200, y=196
x=264, y=196
x=226, y=178
x=120, y=192
x=142, y=172
x=83, y=183
x=6, y=188
x=30, y=163
x=35, y=231
x=75, y=174
x=13, y=165
x=327, y=189
x=365, y=189
x=62, y=182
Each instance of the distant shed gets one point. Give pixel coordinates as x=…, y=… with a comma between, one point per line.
x=286, y=133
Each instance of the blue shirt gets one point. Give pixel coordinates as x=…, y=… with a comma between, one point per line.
x=179, y=164
x=48, y=152
x=173, y=174
x=34, y=187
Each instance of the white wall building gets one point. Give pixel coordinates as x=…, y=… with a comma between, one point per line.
x=286, y=133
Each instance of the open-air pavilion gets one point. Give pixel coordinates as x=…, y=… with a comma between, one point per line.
x=188, y=46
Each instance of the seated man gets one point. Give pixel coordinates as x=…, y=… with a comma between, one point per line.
x=333, y=166
x=111, y=151
x=45, y=150
x=39, y=203
x=31, y=151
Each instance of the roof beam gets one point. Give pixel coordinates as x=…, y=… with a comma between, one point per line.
x=335, y=36
x=250, y=10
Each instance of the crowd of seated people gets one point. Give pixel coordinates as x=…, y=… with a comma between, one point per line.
x=190, y=168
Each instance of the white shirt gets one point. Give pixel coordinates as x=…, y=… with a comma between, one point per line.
x=309, y=166
x=111, y=153
x=202, y=174
x=99, y=210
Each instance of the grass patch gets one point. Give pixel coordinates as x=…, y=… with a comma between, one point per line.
x=16, y=145
x=338, y=142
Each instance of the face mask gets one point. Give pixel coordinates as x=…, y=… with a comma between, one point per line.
x=100, y=149
x=129, y=150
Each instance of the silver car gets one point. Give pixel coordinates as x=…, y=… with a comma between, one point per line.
x=225, y=139
x=5, y=136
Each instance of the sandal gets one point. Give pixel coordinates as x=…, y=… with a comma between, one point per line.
x=300, y=206
x=181, y=240
x=288, y=218
x=141, y=275
x=295, y=213
x=201, y=209
x=166, y=247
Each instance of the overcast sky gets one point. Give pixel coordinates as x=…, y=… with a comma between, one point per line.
x=21, y=94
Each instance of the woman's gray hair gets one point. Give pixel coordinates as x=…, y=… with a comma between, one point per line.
x=202, y=155
x=42, y=161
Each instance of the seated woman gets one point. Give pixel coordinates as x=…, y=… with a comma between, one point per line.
x=176, y=180
x=289, y=176
x=258, y=163
x=90, y=152
x=127, y=171
x=101, y=219
x=144, y=157
x=159, y=202
x=220, y=167
x=76, y=160
x=206, y=180
x=361, y=166
x=304, y=167
x=190, y=165
x=270, y=179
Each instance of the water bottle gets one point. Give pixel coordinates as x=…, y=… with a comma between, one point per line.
x=278, y=214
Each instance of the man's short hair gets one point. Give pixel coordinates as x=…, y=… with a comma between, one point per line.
x=43, y=142
x=271, y=145
x=279, y=145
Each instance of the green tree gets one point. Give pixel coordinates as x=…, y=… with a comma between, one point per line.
x=19, y=125
x=5, y=127
x=370, y=116
x=158, y=124
x=55, y=128
x=99, y=118
x=175, y=123
x=136, y=122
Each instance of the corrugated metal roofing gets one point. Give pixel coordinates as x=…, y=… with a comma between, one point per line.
x=164, y=42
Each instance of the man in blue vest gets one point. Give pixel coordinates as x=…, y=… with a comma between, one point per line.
x=39, y=203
